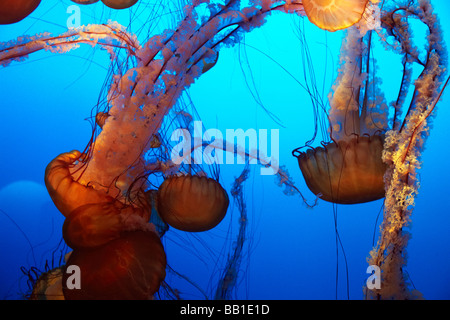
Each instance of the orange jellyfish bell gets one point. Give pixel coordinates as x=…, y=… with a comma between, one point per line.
x=346, y=172
x=119, y=4
x=85, y=1
x=67, y=194
x=333, y=15
x=128, y=268
x=12, y=11
x=192, y=203
x=101, y=118
x=92, y=217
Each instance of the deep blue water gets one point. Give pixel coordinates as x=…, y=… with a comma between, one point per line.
x=290, y=250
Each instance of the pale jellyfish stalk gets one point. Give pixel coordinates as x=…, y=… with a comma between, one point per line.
x=405, y=142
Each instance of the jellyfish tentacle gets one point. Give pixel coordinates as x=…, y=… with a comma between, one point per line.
x=148, y=91
x=109, y=36
x=403, y=149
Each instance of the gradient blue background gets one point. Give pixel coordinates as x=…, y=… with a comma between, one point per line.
x=290, y=250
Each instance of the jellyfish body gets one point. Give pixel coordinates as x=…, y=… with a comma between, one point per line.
x=333, y=15
x=346, y=172
x=85, y=1
x=12, y=11
x=129, y=267
x=350, y=168
x=48, y=286
x=94, y=224
x=67, y=194
x=192, y=203
x=119, y=4
x=119, y=254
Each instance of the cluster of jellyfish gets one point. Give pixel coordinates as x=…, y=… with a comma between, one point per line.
x=115, y=217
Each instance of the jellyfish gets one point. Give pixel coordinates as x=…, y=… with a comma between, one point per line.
x=113, y=4
x=192, y=203
x=372, y=156
x=85, y=1
x=119, y=4
x=334, y=15
x=48, y=286
x=139, y=264
x=350, y=169
x=15, y=11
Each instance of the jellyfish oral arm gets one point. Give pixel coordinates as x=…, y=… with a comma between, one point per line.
x=142, y=97
x=109, y=36
x=403, y=148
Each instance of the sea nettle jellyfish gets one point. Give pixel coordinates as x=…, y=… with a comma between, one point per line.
x=85, y=1
x=334, y=15
x=192, y=203
x=102, y=192
x=119, y=4
x=350, y=169
x=114, y=4
x=371, y=156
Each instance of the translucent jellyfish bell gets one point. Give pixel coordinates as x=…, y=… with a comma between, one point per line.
x=119, y=4
x=192, y=203
x=333, y=15
x=346, y=172
x=85, y=1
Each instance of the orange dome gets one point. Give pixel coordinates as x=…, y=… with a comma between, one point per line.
x=192, y=203
x=12, y=11
x=334, y=15
x=346, y=172
x=85, y=1
x=130, y=267
x=119, y=4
